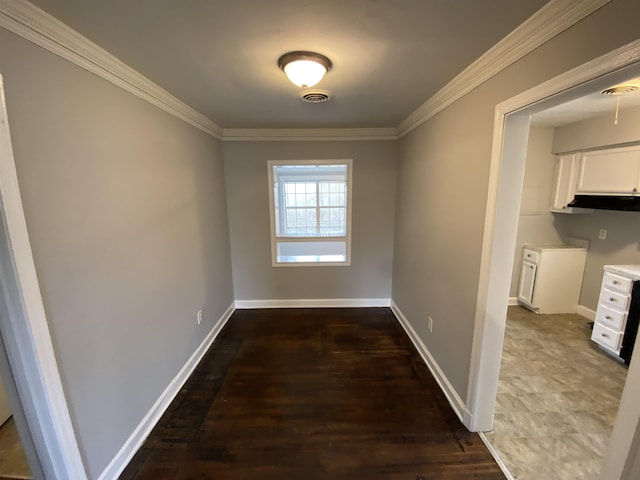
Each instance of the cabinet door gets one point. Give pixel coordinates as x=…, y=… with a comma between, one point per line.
x=614, y=171
x=527, y=282
x=566, y=178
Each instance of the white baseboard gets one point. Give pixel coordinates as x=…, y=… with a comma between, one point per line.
x=454, y=399
x=314, y=303
x=513, y=301
x=586, y=312
x=142, y=431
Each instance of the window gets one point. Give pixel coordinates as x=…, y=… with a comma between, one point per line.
x=310, y=212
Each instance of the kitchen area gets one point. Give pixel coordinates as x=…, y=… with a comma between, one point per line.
x=580, y=224
x=575, y=290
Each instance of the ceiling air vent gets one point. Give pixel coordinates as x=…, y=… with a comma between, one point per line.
x=315, y=96
x=620, y=89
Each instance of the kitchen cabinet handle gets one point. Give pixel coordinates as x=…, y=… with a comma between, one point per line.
x=604, y=335
x=608, y=317
x=612, y=299
x=615, y=282
x=531, y=267
x=635, y=189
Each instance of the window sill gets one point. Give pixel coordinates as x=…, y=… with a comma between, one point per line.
x=311, y=260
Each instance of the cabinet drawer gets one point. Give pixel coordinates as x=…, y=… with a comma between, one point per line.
x=530, y=256
x=614, y=319
x=617, y=282
x=615, y=300
x=606, y=337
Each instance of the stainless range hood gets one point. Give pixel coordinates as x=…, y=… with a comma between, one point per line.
x=607, y=202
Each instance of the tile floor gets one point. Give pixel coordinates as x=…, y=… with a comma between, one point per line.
x=13, y=462
x=557, y=399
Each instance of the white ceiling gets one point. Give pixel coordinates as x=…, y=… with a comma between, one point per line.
x=593, y=105
x=220, y=57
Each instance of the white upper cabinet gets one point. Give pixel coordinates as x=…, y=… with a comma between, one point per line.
x=614, y=171
x=566, y=180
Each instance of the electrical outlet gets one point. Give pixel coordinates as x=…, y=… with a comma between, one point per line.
x=603, y=234
x=199, y=317
x=430, y=324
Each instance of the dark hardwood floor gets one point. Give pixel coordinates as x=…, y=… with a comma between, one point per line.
x=307, y=394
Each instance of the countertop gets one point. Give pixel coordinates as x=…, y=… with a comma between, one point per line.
x=631, y=271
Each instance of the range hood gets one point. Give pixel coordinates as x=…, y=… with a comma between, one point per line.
x=607, y=202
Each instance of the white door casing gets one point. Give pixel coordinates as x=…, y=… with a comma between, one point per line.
x=505, y=189
x=25, y=330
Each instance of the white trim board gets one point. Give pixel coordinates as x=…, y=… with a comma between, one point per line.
x=580, y=310
x=40, y=28
x=551, y=20
x=25, y=329
x=314, y=303
x=586, y=312
x=142, y=431
x=308, y=134
x=33, y=24
x=449, y=392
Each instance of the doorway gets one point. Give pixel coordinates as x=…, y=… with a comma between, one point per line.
x=13, y=459
x=505, y=189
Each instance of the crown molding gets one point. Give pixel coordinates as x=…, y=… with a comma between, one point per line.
x=37, y=26
x=551, y=20
x=307, y=134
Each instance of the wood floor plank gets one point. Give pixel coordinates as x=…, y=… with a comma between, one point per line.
x=312, y=394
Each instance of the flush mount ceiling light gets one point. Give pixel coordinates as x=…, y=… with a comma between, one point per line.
x=304, y=69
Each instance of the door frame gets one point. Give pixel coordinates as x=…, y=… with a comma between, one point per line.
x=511, y=129
x=38, y=392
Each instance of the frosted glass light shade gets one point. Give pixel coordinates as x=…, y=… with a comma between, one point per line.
x=304, y=69
x=304, y=73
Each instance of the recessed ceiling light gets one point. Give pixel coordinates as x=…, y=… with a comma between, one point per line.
x=303, y=68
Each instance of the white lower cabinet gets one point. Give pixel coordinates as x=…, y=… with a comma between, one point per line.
x=551, y=278
x=607, y=337
x=527, y=281
x=613, y=308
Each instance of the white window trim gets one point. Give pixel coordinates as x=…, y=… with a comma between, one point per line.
x=272, y=219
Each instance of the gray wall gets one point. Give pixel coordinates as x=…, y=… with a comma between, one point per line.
x=622, y=245
x=125, y=207
x=374, y=183
x=599, y=131
x=537, y=224
x=442, y=190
